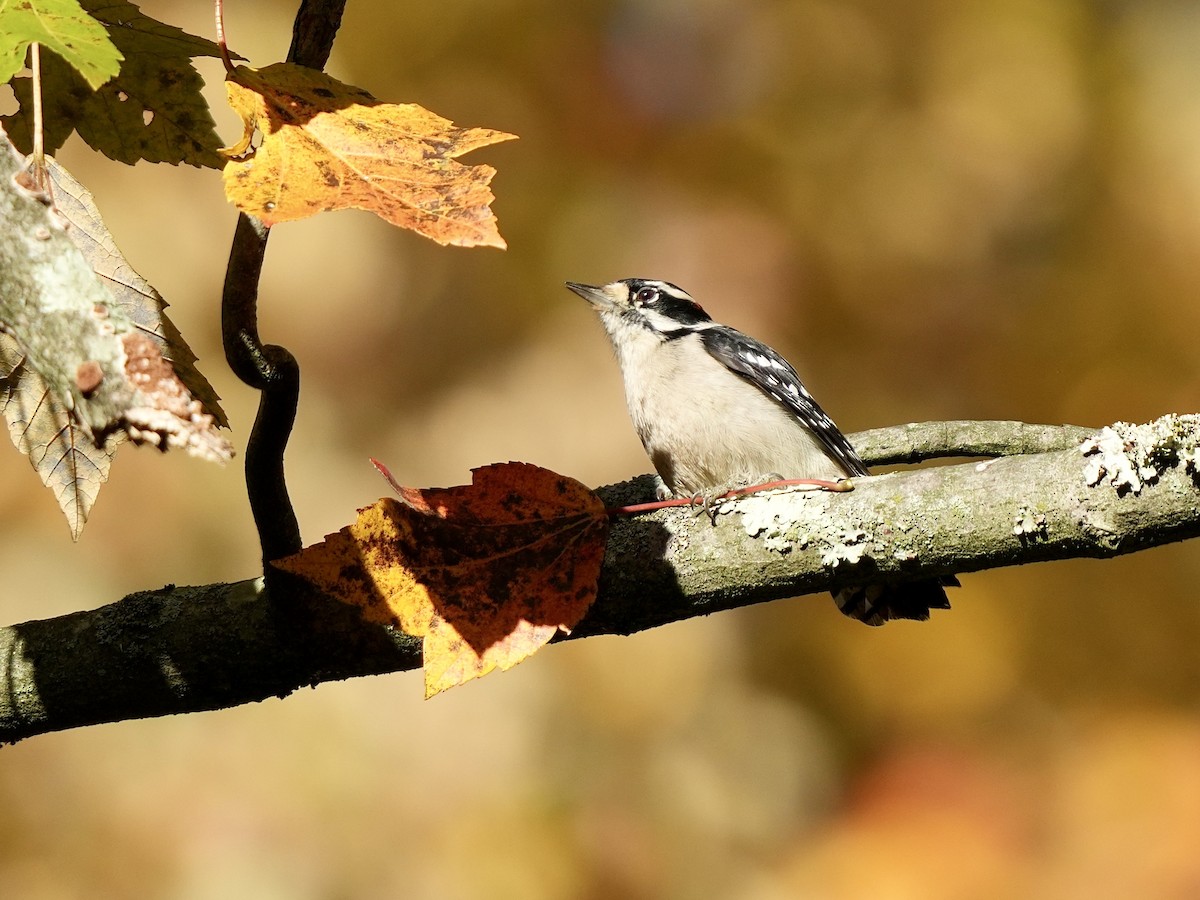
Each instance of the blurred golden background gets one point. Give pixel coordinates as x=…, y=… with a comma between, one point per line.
x=982, y=209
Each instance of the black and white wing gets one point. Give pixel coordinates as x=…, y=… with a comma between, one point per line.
x=774, y=375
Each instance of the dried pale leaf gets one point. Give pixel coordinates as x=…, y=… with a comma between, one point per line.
x=163, y=413
x=61, y=26
x=64, y=456
x=326, y=145
x=485, y=573
x=132, y=294
x=153, y=110
x=78, y=371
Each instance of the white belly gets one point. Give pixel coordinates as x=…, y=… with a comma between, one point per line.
x=728, y=433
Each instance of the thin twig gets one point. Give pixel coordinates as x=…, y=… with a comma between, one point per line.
x=219, y=10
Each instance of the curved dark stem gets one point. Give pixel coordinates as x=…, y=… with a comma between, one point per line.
x=270, y=368
x=317, y=23
x=278, y=529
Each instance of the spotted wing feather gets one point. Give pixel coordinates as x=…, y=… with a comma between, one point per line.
x=771, y=373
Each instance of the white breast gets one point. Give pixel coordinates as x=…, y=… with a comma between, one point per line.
x=706, y=428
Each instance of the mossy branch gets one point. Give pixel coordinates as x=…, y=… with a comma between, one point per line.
x=186, y=649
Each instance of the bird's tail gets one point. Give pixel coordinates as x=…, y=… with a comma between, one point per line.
x=880, y=601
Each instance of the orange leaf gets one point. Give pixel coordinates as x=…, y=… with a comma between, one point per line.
x=327, y=145
x=486, y=573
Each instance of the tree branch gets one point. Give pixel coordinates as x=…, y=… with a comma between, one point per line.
x=181, y=650
x=937, y=440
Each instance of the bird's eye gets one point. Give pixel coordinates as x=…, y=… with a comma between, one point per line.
x=647, y=295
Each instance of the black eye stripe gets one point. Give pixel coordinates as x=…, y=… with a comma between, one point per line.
x=665, y=301
x=678, y=309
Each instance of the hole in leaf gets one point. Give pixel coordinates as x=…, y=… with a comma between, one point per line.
x=8, y=100
x=122, y=96
x=147, y=116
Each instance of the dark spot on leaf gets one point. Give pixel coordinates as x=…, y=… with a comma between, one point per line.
x=352, y=572
x=88, y=377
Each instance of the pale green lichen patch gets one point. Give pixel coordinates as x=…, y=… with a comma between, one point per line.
x=786, y=521
x=779, y=519
x=1191, y=459
x=1129, y=457
x=851, y=547
x=1029, y=524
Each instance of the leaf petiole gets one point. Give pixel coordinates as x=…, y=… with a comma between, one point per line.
x=219, y=10
x=807, y=483
x=39, y=146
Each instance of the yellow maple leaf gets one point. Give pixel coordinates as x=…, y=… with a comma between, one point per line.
x=327, y=145
x=485, y=573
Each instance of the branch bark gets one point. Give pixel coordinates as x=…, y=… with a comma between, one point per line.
x=188, y=649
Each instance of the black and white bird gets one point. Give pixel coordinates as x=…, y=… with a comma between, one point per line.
x=717, y=409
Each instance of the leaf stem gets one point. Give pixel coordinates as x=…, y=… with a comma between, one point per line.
x=387, y=476
x=39, y=144
x=219, y=10
x=634, y=509
x=36, y=166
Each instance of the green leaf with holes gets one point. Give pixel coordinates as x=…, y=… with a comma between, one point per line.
x=153, y=110
x=61, y=26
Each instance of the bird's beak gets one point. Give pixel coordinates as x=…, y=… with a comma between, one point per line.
x=598, y=297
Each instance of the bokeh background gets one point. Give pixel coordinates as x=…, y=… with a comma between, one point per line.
x=978, y=209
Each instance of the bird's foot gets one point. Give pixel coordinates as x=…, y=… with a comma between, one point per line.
x=661, y=491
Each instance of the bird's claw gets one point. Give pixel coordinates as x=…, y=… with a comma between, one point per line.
x=710, y=505
x=661, y=491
